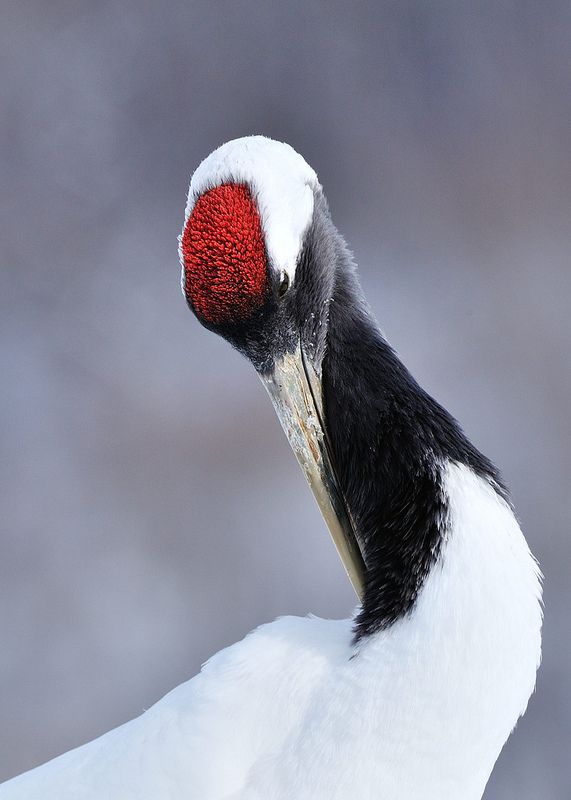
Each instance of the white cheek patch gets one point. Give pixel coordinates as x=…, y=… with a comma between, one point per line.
x=281, y=182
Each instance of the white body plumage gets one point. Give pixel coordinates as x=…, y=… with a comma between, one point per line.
x=421, y=710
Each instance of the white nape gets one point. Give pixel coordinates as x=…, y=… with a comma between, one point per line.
x=421, y=711
x=282, y=183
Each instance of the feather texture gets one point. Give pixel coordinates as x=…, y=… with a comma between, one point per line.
x=420, y=710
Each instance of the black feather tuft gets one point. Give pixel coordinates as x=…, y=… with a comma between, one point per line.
x=390, y=442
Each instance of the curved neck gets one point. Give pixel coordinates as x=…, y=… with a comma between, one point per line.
x=391, y=442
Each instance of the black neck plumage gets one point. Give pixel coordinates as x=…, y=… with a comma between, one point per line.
x=390, y=442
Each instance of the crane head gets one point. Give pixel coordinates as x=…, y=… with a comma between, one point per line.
x=258, y=268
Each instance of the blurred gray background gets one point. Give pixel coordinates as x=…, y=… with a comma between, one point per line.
x=152, y=511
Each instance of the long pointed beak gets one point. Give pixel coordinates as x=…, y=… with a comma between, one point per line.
x=295, y=390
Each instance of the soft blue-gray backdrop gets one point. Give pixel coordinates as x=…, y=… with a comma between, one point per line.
x=151, y=509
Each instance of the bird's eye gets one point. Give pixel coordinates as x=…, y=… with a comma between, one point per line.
x=284, y=283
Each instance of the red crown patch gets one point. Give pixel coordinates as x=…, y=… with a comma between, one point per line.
x=224, y=255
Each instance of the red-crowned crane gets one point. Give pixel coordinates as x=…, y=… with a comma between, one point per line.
x=414, y=697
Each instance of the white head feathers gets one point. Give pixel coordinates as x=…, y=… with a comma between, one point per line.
x=282, y=185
